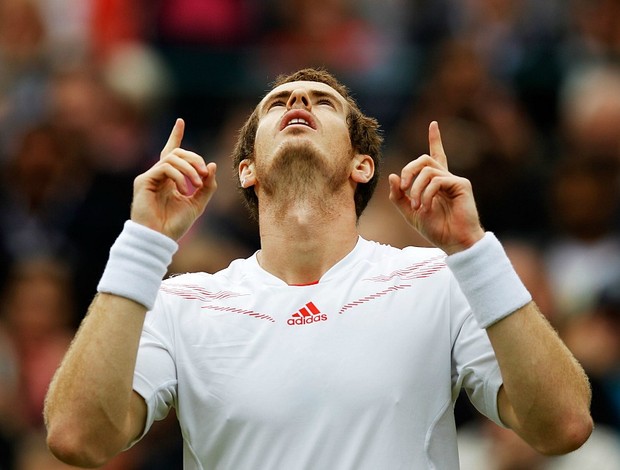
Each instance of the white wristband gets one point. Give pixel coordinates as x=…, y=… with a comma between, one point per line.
x=488, y=280
x=138, y=261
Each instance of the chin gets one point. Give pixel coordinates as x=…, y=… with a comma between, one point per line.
x=298, y=165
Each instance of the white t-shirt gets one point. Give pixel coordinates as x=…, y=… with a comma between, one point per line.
x=359, y=371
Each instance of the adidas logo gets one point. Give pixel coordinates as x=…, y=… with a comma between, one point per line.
x=306, y=315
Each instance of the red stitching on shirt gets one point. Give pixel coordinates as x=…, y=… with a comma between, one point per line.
x=195, y=292
x=251, y=313
x=370, y=297
x=419, y=270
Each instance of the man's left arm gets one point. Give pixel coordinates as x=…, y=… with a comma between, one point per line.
x=546, y=394
x=545, y=397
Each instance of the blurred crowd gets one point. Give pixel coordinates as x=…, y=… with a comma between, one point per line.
x=527, y=95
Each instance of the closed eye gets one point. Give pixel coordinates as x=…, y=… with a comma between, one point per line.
x=325, y=101
x=276, y=103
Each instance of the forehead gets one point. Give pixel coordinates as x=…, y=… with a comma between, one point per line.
x=309, y=86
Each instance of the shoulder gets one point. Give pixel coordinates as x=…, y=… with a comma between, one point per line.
x=202, y=285
x=378, y=261
x=382, y=252
x=235, y=269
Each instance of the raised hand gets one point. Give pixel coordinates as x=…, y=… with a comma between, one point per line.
x=435, y=202
x=174, y=192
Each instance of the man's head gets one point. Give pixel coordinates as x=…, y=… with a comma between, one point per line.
x=363, y=133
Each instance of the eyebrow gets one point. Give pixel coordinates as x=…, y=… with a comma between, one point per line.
x=314, y=94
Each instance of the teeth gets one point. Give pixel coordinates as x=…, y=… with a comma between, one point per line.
x=298, y=121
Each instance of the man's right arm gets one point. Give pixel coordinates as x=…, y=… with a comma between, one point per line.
x=91, y=410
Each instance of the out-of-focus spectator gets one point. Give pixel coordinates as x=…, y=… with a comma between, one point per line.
x=333, y=36
x=207, y=47
x=24, y=68
x=487, y=136
x=207, y=23
x=504, y=31
x=594, y=338
x=584, y=192
x=592, y=32
x=36, y=314
x=584, y=252
x=37, y=304
x=68, y=25
x=486, y=446
x=114, y=23
x=40, y=185
x=590, y=111
x=10, y=420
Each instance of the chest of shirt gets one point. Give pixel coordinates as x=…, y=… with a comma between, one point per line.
x=277, y=351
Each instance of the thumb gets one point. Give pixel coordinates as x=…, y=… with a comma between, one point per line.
x=203, y=194
x=398, y=197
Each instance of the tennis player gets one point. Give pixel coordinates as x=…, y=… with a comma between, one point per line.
x=323, y=350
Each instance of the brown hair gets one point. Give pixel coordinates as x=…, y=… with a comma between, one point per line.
x=363, y=130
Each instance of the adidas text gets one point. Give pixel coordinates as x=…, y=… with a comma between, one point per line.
x=307, y=320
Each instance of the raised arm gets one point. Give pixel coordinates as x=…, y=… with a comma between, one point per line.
x=546, y=395
x=91, y=410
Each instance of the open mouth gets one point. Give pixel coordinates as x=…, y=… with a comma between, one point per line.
x=297, y=117
x=300, y=121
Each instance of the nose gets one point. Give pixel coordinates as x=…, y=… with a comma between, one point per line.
x=299, y=99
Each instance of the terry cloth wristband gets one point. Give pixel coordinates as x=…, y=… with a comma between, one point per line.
x=138, y=261
x=488, y=280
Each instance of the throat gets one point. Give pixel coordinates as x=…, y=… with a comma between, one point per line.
x=302, y=213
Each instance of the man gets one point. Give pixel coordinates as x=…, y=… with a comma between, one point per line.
x=323, y=350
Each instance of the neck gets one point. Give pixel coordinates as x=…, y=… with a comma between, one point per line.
x=301, y=242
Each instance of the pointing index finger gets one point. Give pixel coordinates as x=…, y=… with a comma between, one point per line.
x=435, y=144
x=176, y=137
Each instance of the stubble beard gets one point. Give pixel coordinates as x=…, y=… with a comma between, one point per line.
x=299, y=175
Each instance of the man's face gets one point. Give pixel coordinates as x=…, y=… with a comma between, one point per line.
x=302, y=133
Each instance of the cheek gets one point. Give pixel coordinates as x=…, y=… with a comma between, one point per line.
x=340, y=134
x=340, y=139
x=259, y=139
x=265, y=137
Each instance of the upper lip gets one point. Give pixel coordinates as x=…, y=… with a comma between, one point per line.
x=304, y=116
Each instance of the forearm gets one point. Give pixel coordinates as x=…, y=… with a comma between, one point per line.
x=92, y=412
x=90, y=396
x=546, y=394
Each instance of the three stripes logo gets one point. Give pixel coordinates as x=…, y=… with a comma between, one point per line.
x=306, y=315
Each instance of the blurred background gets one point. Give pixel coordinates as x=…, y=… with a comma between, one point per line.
x=527, y=94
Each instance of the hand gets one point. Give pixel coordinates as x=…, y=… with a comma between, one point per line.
x=174, y=192
x=435, y=202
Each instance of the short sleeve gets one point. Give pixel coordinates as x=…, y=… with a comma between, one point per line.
x=474, y=365
x=155, y=377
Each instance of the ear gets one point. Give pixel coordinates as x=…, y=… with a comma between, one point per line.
x=247, y=175
x=363, y=168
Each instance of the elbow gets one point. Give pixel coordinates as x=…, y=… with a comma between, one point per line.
x=568, y=436
x=72, y=446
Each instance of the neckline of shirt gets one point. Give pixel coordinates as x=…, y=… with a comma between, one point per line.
x=341, y=266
